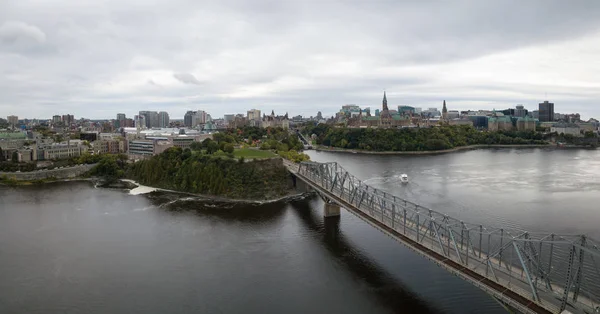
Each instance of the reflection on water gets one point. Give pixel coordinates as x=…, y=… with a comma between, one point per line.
x=72, y=248
x=535, y=189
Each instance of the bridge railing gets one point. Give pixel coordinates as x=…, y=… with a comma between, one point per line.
x=554, y=271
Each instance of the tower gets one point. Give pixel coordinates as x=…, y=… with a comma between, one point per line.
x=385, y=112
x=444, y=111
x=385, y=106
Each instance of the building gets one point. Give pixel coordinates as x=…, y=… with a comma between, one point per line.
x=63, y=150
x=140, y=122
x=444, y=111
x=525, y=124
x=383, y=119
x=479, y=122
x=566, y=128
x=151, y=118
x=192, y=119
x=121, y=120
x=148, y=147
x=546, y=112
x=275, y=121
x=520, y=111
x=13, y=120
x=68, y=119
x=253, y=114
x=499, y=123
x=56, y=119
x=27, y=154
x=163, y=119
x=406, y=110
x=228, y=118
x=453, y=114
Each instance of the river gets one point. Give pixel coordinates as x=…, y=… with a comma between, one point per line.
x=72, y=248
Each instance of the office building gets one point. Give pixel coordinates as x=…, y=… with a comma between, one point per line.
x=151, y=118
x=520, y=111
x=253, y=114
x=163, y=119
x=140, y=122
x=68, y=119
x=13, y=120
x=56, y=119
x=192, y=119
x=546, y=112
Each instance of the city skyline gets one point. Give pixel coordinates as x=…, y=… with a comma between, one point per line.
x=299, y=58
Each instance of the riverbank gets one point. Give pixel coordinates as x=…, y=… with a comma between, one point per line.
x=143, y=189
x=444, y=151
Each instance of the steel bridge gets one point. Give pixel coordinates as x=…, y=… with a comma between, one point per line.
x=529, y=272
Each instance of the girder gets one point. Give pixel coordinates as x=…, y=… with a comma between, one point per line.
x=554, y=271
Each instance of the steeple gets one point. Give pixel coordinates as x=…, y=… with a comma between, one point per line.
x=273, y=113
x=385, y=106
x=444, y=109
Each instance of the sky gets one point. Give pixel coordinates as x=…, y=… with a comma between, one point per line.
x=95, y=59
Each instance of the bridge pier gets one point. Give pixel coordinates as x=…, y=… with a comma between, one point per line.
x=331, y=210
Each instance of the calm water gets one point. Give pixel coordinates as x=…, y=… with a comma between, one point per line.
x=71, y=248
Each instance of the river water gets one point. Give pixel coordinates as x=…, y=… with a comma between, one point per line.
x=72, y=248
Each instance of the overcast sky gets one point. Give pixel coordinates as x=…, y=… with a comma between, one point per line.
x=97, y=58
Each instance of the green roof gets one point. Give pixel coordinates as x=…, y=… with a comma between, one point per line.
x=499, y=119
x=12, y=135
x=399, y=117
x=526, y=119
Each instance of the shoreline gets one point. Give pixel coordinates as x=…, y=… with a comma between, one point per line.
x=444, y=151
x=95, y=181
x=212, y=197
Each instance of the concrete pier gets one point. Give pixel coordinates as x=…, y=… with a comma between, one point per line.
x=331, y=210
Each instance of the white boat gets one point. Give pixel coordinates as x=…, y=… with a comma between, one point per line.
x=404, y=178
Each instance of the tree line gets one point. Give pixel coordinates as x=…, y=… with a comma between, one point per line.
x=417, y=139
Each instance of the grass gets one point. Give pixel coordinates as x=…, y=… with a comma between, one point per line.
x=253, y=153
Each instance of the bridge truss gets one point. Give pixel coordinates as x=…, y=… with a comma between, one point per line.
x=552, y=272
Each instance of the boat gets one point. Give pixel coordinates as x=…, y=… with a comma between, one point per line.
x=404, y=178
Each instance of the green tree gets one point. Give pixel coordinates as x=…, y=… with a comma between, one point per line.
x=229, y=148
x=196, y=146
x=212, y=147
x=2, y=158
x=15, y=157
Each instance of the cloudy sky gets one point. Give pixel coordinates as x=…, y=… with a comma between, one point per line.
x=97, y=58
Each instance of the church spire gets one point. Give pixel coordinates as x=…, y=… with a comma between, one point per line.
x=385, y=106
x=444, y=109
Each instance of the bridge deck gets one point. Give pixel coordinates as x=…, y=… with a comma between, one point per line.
x=493, y=273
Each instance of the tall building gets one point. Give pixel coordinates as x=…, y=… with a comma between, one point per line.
x=444, y=111
x=163, y=119
x=151, y=118
x=140, y=121
x=228, y=118
x=121, y=120
x=12, y=120
x=68, y=119
x=56, y=119
x=520, y=111
x=191, y=119
x=546, y=111
x=187, y=118
x=253, y=114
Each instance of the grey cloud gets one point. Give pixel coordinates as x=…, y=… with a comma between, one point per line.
x=186, y=78
x=15, y=33
x=245, y=53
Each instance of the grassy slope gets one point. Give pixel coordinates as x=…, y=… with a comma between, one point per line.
x=253, y=153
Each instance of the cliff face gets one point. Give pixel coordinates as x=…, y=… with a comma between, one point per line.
x=64, y=173
x=208, y=175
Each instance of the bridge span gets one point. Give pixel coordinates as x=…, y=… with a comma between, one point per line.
x=529, y=272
